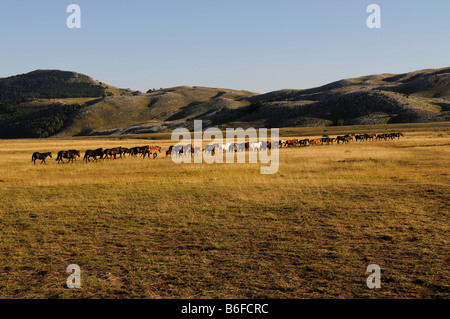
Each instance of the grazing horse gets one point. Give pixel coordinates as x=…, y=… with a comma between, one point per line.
x=40, y=156
x=93, y=153
x=70, y=155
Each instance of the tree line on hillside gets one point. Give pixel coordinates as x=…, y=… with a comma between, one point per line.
x=20, y=119
x=25, y=121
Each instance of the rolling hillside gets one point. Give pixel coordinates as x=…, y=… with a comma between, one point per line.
x=52, y=102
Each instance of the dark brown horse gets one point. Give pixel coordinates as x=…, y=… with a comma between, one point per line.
x=111, y=152
x=93, y=153
x=70, y=155
x=40, y=156
x=138, y=150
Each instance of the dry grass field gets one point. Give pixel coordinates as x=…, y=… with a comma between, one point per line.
x=155, y=229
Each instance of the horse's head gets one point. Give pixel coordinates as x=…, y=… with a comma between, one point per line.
x=50, y=154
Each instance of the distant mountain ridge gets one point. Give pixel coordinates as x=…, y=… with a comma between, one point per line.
x=85, y=106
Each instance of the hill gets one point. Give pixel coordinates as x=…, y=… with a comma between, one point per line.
x=72, y=104
x=22, y=116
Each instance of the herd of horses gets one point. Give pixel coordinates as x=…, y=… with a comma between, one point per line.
x=148, y=151
x=343, y=138
x=99, y=153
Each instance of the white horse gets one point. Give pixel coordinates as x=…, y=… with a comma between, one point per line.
x=229, y=147
x=254, y=146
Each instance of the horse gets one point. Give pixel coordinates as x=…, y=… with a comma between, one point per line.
x=70, y=155
x=304, y=142
x=255, y=146
x=350, y=136
x=291, y=143
x=138, y=150
x=40, y=156
x=152, y=150
x=124, y=151
x=176, y=150
x=73, y=154
x=211, y=149
x=93, y=153
x=111, y=152
x=228, y=147
x=117, y=151
x=344, y=139
x=241, y=147
x=315, y=141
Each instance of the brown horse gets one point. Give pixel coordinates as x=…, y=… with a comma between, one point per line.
x=154, y=150
x=40, y=156
x=112, y=153
x=70, y=155
x=93, y=153
x=315, y=141
x=138, y=150
x=291, y=143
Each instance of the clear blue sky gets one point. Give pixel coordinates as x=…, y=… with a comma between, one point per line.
x=257, y=45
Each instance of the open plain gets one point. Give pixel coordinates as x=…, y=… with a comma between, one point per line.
x=155, y=229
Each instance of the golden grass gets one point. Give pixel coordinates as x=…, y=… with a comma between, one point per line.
x=154, y=229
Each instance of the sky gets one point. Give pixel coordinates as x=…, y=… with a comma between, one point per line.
x=255, y=45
